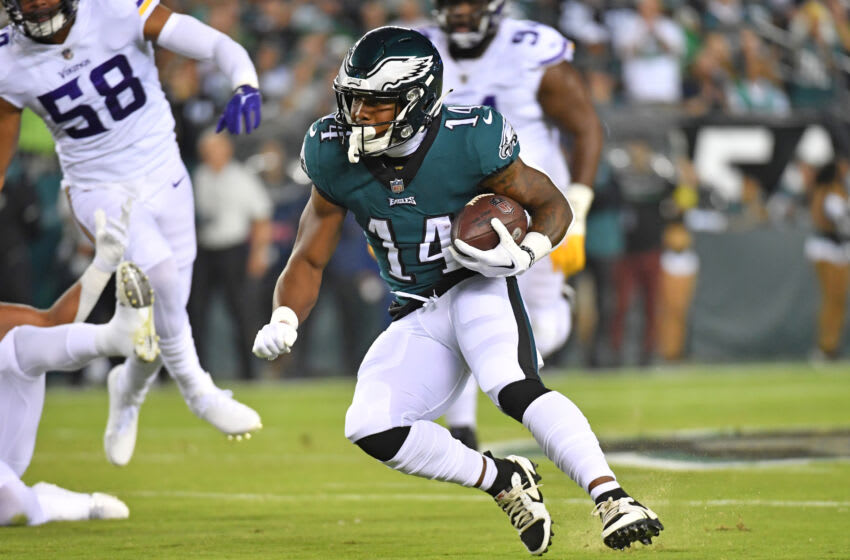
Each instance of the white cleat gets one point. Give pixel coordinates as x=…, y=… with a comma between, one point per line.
x=133, y=290
x=104, y=506
x=119, y=439
x=219, y=408
x=625, y=521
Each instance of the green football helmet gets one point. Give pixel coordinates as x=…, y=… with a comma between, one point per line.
x=389, y=65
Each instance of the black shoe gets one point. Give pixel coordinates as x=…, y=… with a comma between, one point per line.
x=518, y=494
x=466, y=435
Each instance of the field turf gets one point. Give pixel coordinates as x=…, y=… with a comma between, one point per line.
x=300, y=490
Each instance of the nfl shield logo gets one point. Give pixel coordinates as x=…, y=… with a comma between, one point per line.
x=397, y=185
x=503, y=205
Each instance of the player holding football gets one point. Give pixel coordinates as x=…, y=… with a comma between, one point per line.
x=88, y=71
x=404, y=165
x=33, y=341
x=540, y=93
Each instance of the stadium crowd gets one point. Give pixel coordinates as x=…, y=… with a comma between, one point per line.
x=649, y=64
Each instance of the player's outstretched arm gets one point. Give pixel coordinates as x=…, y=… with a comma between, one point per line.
x=10, y=127
x=564, y=99
x=191, y=38
x=297, y=288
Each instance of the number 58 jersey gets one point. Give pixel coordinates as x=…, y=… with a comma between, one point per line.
x=98, y=92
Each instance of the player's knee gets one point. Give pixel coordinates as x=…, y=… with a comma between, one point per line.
x=516, y=397
x=385, y=445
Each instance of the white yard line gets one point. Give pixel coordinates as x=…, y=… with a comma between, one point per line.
x=414, y=496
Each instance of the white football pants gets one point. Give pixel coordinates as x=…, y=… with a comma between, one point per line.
x=549, y=311
x=419, y=365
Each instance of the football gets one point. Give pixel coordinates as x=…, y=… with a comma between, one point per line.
x=472, y=224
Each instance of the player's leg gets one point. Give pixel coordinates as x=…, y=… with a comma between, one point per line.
x=549, y=313
x=21, y=403
x=406, y=380
x=162, y=243
x=175, y=214
x=69, y=347
x=18, y=503
x=45, y=502
x=502, y=356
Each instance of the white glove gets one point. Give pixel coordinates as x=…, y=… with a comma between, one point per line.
x=110, y=238
x=278, y=336
x=505, y=259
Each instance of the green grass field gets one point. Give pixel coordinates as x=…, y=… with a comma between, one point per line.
x=299, y=490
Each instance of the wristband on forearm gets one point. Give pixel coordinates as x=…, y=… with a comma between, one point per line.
x=537, y=245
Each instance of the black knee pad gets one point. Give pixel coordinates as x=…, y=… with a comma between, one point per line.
x=384, y=446
x=516, y=397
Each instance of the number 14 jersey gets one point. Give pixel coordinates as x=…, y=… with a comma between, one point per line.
x=98, y=92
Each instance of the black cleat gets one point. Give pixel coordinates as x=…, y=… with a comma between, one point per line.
x=522, y=500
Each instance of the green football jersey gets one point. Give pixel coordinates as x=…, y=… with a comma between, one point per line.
x=406, y=213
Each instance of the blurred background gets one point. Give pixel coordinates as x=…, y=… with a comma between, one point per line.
x=701, y=241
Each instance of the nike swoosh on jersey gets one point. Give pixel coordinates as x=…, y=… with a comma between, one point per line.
x=175, y=185
x=313, y=130
x=489, y=118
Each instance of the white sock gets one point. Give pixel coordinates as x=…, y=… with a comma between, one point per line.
x=177, y=347
x=116, y=337
x=138, y=376
x=490, y=473
x=18, y=503
x=59, y=504
x=431, y=452
x=62, y=348
x=600, y=489
x=181, y=359
x=565, y=436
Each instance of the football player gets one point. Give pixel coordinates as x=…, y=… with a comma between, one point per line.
x=34, y=341
x=87, y=68
x=541, y=94
x=404, y=165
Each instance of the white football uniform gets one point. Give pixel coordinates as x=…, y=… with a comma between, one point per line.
x=100, y=96
x=21, y=403
x=507, y=77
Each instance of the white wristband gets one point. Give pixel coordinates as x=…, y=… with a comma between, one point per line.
x=580, y=198
x=537, y=245
x=284, y=314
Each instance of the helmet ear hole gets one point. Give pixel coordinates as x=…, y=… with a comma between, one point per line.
x=414, y=94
